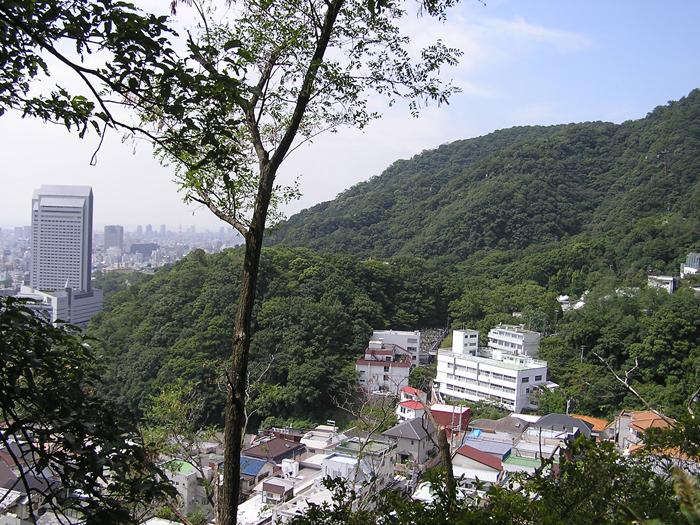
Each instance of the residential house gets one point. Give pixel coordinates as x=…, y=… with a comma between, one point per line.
x=277, y=449
x=277, y=490
x=376, y=453
x=253, y=471
x=383, y=368
x=662, y=282
x=476, y=467
x=506, y=430
x=415, y=440
x=186, y=479
x=454, y=419
x=598, y=425
x=408, y=341
x=629, y=426
x=550, y=434
x=322, y=440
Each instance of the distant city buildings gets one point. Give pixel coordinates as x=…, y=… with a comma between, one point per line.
x=114, y=237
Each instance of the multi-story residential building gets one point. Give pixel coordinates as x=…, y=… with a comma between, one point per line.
x=383, y=368
x=505, y=377
x=407, y=341
x=514, y=339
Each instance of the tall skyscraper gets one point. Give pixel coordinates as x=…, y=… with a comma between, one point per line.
x=62, y=238
x=114, y=236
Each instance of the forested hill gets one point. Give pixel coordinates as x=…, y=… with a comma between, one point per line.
x=516, y=187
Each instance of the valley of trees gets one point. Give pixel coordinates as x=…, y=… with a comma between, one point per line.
x=593, y=220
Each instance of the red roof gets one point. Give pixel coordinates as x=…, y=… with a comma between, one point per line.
x=457, y=419
x=480, y=457
x=362, y=361
x=413, y=405
x=377, y=351
x=412, y=391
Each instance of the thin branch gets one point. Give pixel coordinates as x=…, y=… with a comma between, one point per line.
x=625, y=383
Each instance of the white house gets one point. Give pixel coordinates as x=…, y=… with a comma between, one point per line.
x=409, y=341
x=410, y=405
x=505, y=377
x=383, y=368
x=664, y=282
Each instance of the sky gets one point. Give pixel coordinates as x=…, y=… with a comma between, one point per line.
x=525, y=62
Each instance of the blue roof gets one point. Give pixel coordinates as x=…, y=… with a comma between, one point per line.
x=251, y=466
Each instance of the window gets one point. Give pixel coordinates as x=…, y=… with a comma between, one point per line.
x=538, y=378
x=526, y=379
x=386, y=369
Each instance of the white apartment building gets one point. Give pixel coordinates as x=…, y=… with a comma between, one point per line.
x=515, y=339
x=383, y=368
x=506, y=378
x=408, y=341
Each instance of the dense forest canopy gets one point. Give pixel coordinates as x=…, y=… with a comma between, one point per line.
x=465, y=235
x=514, y=188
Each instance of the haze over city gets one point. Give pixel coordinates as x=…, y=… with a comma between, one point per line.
x=524, y=63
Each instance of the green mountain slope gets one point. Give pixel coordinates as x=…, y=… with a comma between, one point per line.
x=515, y=187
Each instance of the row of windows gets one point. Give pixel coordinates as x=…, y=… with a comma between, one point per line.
x=483, y=384
x=497, y=399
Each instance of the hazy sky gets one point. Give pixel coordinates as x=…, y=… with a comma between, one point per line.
x=526, y=62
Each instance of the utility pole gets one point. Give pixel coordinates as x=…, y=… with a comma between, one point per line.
x=665, y=153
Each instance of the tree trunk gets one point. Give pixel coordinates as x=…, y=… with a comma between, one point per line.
x=235, y=402
x=446, y=457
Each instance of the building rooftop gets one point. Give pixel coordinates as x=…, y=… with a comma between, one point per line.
x=511, y=362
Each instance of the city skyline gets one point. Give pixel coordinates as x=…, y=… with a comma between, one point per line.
x=524, y=63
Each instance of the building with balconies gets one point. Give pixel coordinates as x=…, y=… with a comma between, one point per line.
x=505, y=377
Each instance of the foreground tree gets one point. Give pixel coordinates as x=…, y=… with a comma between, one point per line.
x=250, y=88
x=274, y=76
x=85, y=457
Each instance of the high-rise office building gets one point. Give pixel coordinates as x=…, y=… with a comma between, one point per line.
x=62, y=238
x=114, y=236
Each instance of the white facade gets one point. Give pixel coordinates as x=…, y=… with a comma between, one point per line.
x=514, y=339
x=383, y=369
x=465, y=341
x=68, y=306
x=61, y=238
x=409, y=341
x=489, y=374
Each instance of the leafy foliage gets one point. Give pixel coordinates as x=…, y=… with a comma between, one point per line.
x=88, y=457
x=314, y=316
x=519, y=187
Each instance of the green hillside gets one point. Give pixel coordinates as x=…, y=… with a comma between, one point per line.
x=502, y=225
x=516, y=187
